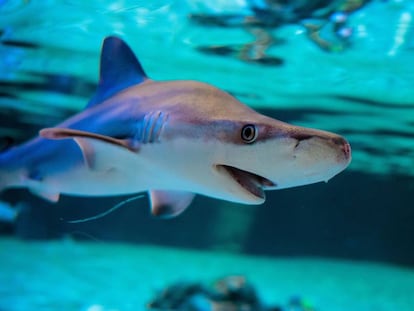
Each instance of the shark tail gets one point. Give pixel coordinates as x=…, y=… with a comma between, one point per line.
x=8, y=177
x=4, y=180
x=12, y=176
x=4, y=176
x=8, y=180
x=3, y=173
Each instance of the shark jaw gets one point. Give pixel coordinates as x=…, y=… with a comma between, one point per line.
x=250, y=182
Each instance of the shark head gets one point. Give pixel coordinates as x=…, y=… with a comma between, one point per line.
x=271, y=156
x=239, y=153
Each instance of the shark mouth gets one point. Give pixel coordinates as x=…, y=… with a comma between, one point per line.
x=254, y=184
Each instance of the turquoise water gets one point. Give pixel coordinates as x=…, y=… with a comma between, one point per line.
x=130, y=276
x=364, y=92
x=49, y=56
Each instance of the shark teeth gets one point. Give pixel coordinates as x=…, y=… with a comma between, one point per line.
x=251, y=182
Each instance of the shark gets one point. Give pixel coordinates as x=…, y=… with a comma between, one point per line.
x=172, y=139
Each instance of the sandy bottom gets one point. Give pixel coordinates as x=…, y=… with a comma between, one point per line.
x=67, y=275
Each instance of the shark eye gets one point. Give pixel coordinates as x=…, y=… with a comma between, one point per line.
x=249, y=133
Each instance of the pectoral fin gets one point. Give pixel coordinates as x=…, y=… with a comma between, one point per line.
x=65, y=133
x=168, y=204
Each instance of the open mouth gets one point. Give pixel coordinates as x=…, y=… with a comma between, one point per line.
x=254, y=184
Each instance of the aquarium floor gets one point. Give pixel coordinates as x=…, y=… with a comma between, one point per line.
x=68, y=275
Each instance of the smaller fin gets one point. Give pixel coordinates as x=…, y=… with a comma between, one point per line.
x=48, y=196
x=119, y=69
x=65, y=133
x=168, y=204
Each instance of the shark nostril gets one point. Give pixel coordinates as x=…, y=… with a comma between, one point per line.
x=339, y=141
x=346, y=147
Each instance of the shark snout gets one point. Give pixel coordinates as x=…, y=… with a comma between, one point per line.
x=344, y=146
x=321, y=155
x=327, y=142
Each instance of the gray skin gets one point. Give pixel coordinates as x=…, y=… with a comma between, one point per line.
x=173, y=139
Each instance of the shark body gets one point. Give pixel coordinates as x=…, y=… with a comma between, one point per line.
x=174, y=139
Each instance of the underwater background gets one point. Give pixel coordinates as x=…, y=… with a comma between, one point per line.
x=341, y=66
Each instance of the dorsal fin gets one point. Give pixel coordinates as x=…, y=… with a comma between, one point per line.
x=119, y=69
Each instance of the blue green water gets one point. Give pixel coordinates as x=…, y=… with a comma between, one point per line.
x=128, y=277
x=49, y=54
x=377, y=70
